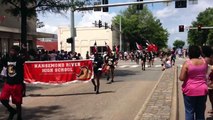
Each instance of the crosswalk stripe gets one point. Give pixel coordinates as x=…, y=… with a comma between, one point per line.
x=123, y=66
x=158, y=65
x=134, y=66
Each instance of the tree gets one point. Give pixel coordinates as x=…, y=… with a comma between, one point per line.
x=29, y=9
x=178, y=44
x=204, y=36
x=139, y=26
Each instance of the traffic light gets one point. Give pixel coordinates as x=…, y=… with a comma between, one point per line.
x=96, y=24
x=106, y=25
x=181, y=28
x=199, y=27
x=105, y=9
x=140, y=6
x=99, y=8
x=112, y=28
x=180, y=3
x=70, y=40
x=99, y=23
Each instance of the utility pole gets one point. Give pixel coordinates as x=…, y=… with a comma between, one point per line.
x=120, y=35
x=72, y=26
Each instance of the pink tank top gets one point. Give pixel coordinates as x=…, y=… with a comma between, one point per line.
x=196, y=82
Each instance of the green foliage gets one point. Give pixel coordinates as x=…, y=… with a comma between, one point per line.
x=178, y=44
x=29, y=9
x=204, y=36
x=138, y=26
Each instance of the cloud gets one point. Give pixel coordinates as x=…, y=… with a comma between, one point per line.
x=172, y=17
x=89, y=19
x=166, y=12
x=48, y=29
x=173, y=30
x=53, y=21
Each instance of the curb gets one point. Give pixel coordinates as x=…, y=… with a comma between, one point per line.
x=174, y=113
x=139, y=114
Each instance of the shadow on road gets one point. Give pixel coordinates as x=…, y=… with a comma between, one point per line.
x=40, y=112
x=32, y=87
x=125, y=73
x=58, y=95
x=45, y=113
x=36, y=113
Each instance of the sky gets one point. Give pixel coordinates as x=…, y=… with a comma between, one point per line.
x=169, y=16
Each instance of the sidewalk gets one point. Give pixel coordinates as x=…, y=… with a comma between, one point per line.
x=162, y=102
x=166, y=101
x=181, y=113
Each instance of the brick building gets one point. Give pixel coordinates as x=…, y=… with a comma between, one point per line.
x=10, y=29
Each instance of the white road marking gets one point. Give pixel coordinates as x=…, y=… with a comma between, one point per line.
x=158, y=65
x=134, y=66
x=123, y=66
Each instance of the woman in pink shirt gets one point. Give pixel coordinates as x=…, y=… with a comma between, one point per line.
x=193, y=74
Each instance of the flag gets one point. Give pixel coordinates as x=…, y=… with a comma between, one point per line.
x=95, y=48
x=152, y=48
x=139, y=46
x=147, y=42
x=155, y=48
x=108, y=48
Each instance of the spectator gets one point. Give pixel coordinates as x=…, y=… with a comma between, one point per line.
x=79, y=56
x=52, y=55
x=210, y=84
x=87, y=55
x=166, y=64
x=193, y=74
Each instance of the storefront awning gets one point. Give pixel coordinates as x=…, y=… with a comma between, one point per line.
x=34, y=34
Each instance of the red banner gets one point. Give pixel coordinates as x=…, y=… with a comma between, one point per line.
x=57, y=72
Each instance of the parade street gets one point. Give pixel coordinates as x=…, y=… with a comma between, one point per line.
x=121, y=100
x=135, y=95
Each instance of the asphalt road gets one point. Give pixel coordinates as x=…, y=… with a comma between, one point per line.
x=121, y=100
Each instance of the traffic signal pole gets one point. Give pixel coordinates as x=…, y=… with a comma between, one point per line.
x=72, y=27
x=121, y=4
x=193, y=28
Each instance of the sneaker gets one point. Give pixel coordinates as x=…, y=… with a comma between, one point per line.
x=11, y=115
x=109, y=82
x=108, y=78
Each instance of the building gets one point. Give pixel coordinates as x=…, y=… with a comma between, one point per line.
x=85, y=39
x=10, y=31
x=48, y=44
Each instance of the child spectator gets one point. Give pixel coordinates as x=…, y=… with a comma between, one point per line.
x=166, y=64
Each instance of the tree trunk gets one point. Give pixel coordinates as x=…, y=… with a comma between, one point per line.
x=23, y=24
